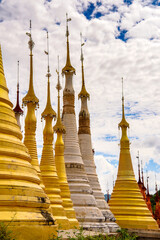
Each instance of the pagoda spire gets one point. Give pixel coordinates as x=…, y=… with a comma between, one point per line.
x=68, y=67
x=140, y=184
x=84, y=116
x=3, y=84
x=47, y=165
x=24, y=207
x=124, y=125
x=139, y=170
x=76, y=175
x=147, y=185
x=85, y=142
x=142, y=172
x=83, y=92
x=127, y=203
x=143, y=186
x=60, y=164
x=18, y=111
x=32, y=102
x=30, y=97
x=148, y=196
x=48, y=109
x=157, y=207
x=59, y=127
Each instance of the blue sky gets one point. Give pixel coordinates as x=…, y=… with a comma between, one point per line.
x=122, y=39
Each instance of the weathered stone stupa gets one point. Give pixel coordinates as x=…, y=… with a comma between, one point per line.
x=47, y=165
x=23, y=203
x=127, y=203
x=18, y=111
x=85, y=142
x=87, y=213
x=60, y=165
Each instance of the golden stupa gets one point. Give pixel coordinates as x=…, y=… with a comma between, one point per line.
x=60, y=165
x=23, y=203
x=127, y=203
x=47, y=165
x=32, y=102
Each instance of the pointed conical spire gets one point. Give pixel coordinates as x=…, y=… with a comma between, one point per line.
x=47, y=165
x=139, y=171
x=23, y=203
x=84, y=116
x=157, y=207
x=141, y=178
x=1, y=68
x=83, y=92
x=59, y=127
x=18, y=109
x=147, y=193
x=156, y=190
x=123, y=124
x=68, y=67
x=31, y=101
x=127, y=203
x=124, y=142
x=148, y=196
x=48, y=109
x=85, y=143
x=60, y=164
x=3, y=84
x=143, y=186
x=30, y=97
x=142, y=173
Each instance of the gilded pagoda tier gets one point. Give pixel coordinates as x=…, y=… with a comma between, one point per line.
x=24, y=205
x=127, y=203
x=50, y=177
x=31, y=101
x=65, y=192
x=60, y=164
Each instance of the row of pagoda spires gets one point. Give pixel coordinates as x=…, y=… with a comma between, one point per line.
x=121, y=202
x=48, y=114
x=145, y=192
x=18, y=111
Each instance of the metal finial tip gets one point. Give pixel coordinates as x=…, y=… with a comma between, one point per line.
x=57, y=70
x=81, y=37
x=122, y=86
x=68, y=19
x=30, y=24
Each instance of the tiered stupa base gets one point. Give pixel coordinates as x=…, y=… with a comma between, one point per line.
x=68, y=205
x=90, y=168
x=87, y=213
x=129, y=206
